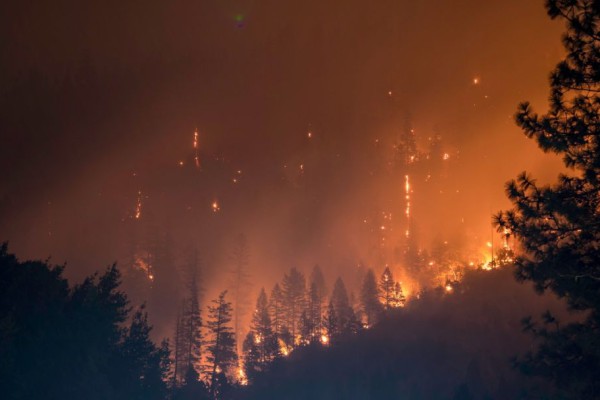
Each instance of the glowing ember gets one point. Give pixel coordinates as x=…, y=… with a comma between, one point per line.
x=138, y=205
x=324, y=339
x=195, y=145
x=241, y=376
x=215, y=206
x=407, y=197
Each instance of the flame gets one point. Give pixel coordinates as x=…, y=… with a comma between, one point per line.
x=138, y=205
x=141, y=264
x=215, y=206
x=241, y=376
x=283, y=348
x=324, y=340
x=407, y=197
x=195, y=146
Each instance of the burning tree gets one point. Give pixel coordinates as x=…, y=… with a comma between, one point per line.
x=260, y=346
x=369, y=299
x=558, y=226
x=276, y=309
x=386, y=288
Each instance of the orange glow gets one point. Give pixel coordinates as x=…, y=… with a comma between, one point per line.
x=195, y=145
x=241, y=376
x=138, y=205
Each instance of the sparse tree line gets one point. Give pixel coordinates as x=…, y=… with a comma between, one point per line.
x=297, y=312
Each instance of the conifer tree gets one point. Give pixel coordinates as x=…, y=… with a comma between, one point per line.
x=558, y=226
x=294, y=295
x=331, y=322
x=346, y=320
x=240, y=283
x=263, y=330
x=311, y=317
x=277, y=310
x=317, y=296
x=143, y=366
x=386, y=288
x=188, y=333
x=369, y=299
x=398, y=298
x=221, y=350
x=307, y=328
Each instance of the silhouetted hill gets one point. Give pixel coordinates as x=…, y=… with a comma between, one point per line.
x=445, y=345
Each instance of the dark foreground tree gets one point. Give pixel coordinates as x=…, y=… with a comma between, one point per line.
x=58, y=342
x=559, y=225
x=221, y=348
x=142, y=366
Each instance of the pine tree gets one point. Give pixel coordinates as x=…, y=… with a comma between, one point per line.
x=263, y=330
x=398, y=298
x=558, y=226
x=307, y=328
x=346, y=319
x=188, y=333
x=221, y=349
x=240, y=283
x=386, y=288
x=312, y=316
x=330, y=321
x=144, y=366
x=369, y=299
x=277, y=310
x=316, y=296
x=294, y=295
x=252, y=357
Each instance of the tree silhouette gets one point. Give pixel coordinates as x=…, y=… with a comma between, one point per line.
x=294, y=295
x=346, y=320
x=558, y=226
x=369, y=299
x=386, y=288
x=277, y=309
x=61, y=342
x=239, y=283
x=221, y=348
x=188, y=334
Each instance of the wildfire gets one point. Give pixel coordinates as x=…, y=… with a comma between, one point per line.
x=138, y=205
x=141, y=264
x=407, y=198
x=195, y=145
x=241, y=376
x=283, y=348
